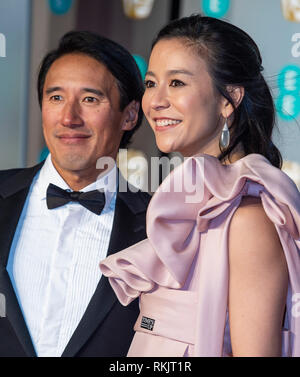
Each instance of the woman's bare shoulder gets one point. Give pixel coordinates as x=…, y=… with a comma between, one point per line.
x=258, y=282
x=252, y=232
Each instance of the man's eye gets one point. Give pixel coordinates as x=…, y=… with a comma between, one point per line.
x=56, y=98
x=149, y=84
x=90, y=99
x=176, y=83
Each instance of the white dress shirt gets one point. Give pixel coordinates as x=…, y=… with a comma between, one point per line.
x=54, y=259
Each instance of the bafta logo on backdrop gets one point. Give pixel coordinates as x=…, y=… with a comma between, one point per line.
x=2, y=46
x=138, y=9
x=291, y=10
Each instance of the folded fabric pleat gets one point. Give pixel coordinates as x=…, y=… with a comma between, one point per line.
x=179, y=221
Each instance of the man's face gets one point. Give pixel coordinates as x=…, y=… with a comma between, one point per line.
x=81, y=116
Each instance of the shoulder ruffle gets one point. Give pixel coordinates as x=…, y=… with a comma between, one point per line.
x=195, y=193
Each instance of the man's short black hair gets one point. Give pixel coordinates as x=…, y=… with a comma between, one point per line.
x=117, y=60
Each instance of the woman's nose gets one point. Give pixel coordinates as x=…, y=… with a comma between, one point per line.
x=160, y=99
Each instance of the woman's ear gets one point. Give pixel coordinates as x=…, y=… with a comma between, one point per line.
x=131, y=115
x=237, y=94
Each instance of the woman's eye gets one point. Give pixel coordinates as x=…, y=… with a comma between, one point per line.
x=176, y=83
x=149, y=84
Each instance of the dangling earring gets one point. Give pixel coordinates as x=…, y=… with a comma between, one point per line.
x=225, y=137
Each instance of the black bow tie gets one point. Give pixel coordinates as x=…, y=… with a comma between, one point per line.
x=92, y=200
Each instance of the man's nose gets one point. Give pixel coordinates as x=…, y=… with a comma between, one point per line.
x=71, y=115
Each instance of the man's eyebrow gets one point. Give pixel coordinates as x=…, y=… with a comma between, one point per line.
x=172, y=72
x=89, y=90
x=94, y=91
x=53, y=89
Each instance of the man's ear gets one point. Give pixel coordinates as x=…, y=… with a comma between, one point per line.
x=131, y=115
x=237, y=94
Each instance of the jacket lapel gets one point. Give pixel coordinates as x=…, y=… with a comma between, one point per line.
x=128, y=229
x=128, y=225
x=13, y=195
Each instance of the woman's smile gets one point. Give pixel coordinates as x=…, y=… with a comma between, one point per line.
x=180, y=101
x=164, y=124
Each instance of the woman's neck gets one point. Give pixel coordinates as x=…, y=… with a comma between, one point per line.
x=237, y=153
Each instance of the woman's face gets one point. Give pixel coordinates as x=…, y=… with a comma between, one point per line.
x=180, y=102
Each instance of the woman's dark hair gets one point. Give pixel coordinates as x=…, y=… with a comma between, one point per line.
x=116, y=59
x=233, y=59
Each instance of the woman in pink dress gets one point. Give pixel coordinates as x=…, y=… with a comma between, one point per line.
x=219, y=274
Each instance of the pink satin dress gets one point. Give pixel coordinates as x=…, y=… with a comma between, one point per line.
x=180, y=272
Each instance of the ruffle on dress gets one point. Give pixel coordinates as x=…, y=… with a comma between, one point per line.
x=196, y=199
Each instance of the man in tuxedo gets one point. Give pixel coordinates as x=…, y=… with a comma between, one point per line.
x=59, y=219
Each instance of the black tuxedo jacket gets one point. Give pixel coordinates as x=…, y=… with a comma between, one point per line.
x=106, y=328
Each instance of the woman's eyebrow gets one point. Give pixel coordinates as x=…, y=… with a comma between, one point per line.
x=172, y=72
x=181, y=71
x=150, y=73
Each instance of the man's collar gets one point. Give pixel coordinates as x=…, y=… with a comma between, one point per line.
x=49, y=174
x=23, y=179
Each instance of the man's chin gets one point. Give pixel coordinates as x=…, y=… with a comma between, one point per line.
x=73, y=163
